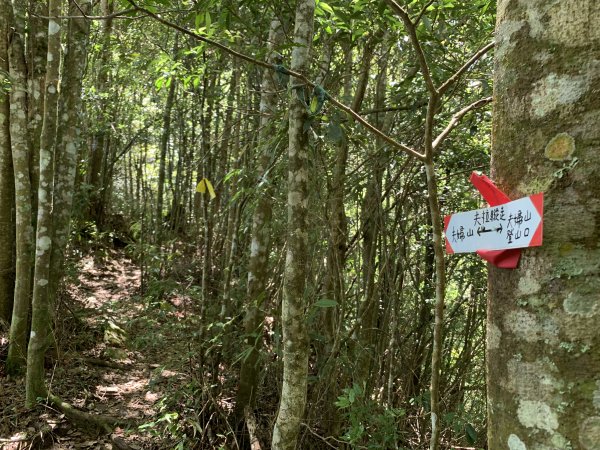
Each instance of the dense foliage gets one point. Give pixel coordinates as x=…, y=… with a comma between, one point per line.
x=178, y=154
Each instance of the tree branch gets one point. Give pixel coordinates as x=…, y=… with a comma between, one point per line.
x=450, y=81
x=414, y=106
x=423, y=11
x=432, y=107
x=412, y=33
x=116, y=15
x=456, y=119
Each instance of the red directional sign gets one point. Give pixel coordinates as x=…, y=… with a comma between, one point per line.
x=515, y=224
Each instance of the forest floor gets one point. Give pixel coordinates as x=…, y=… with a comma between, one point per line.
x=119, y=354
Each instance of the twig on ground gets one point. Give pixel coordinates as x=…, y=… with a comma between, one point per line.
x=325, y=439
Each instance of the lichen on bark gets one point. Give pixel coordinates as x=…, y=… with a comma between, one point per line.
x=544, y=347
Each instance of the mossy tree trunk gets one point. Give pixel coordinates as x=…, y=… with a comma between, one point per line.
x=37, y=49
x=543, y=344
x=41, y=337
x=295, y=335
x=19, y=328
x=69, y=135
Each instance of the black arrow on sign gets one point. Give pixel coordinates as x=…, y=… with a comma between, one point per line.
x=485, y=230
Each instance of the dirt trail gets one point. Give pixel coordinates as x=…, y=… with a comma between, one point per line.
x=112, y=360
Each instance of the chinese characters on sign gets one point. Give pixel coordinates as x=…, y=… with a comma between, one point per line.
x=515, y=224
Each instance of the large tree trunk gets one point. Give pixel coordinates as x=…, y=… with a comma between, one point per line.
x=295, y=335
x=41, y=337
x=7, y=183
x=19, y=328
x=543, y=342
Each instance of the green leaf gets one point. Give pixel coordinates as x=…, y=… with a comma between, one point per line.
x=351, y=395
x=325, y=7
x=314, y=105
x=427, y=23
x=471, y=434
x=233, y=173
x=325, y=303
x=207, y=19
x=342, y=402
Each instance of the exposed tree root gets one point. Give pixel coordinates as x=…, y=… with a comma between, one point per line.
x=86, y=421
x=104, y=363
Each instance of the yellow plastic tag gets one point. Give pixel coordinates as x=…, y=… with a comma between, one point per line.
x=205, y=184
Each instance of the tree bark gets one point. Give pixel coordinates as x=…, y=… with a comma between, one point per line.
x=69, y=136
x=229, y=241
x=543, y=344
x=261, y=227
x=41, y=337
x=295, y=336
x=371, y=213
x=19, y=328
x=7, y=182
x=99, y=145
x=164, y=143
x=37, y=49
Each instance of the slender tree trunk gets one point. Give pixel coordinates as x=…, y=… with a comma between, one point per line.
x=234, y=94
x=206, y=171
x=261, y=228
x=336, y=252
x=7, y=182
x=41, y=337
x=295, y=336
x=543, y=343
x=440, y=295
x=69, y=136
x=17, y=350
x=371, y=223
x=99, y=143
x=164, y=143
